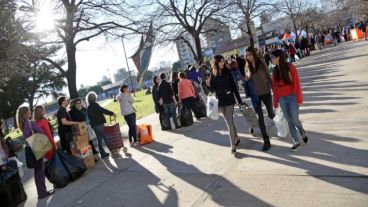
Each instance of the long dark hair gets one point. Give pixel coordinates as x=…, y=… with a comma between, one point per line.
x=218, y=59
x=282, y=71
x=154, y=80
x=257, y=60
x=2, y=136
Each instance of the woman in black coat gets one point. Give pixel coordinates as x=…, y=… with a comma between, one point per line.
x=223, y=84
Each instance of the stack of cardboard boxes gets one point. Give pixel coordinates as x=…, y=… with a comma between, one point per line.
x=80, y=146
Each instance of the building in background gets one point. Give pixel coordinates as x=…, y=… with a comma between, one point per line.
x=216, y=33
x=185, y=54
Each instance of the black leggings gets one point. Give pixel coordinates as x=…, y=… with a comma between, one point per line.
x=65, y=139
x=267, y=101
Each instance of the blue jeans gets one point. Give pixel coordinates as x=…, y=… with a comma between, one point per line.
x=100, y=134
x=170, y=112
x=290, y=109
x=131, y=121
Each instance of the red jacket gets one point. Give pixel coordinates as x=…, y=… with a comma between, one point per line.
x=280, y=88
x=44, y=125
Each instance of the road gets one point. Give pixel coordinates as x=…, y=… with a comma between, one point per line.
x=193, y=166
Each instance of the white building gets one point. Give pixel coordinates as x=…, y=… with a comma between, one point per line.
x=216, y=33
x=185, y=54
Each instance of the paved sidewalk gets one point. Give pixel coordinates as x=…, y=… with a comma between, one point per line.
x=193, y=166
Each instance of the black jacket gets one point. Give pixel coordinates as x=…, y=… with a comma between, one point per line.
x=225, y=88
x=78, y=115
x=165, y=92
x=96, y=114
x=156, y=98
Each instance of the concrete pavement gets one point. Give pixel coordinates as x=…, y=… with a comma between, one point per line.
x=193, y=166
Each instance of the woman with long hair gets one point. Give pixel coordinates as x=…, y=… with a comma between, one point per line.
x=287, y=92
x=28, y=127
x=128, y=112
x=223, y=84
x=44, y=124
x=260, y=78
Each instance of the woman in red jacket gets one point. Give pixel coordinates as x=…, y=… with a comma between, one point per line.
x=43, y=123
x=287, y=92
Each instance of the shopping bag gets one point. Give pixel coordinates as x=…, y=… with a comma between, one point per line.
x=39, y=144
x=250, y=116
x=56, y=172
x=91, y=133
x=144, y=134
x=200, y=108
x=281, y=123
x=19, y=165
x=73, y=165
x=212, y=108
x=114, y=140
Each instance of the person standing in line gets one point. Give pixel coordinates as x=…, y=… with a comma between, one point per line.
x=194, y=76
x=292, y=52
x=156, y=101
x=288, y=93
x=96, y=116
x=64, y=124
x=258, y=74
x=44, y=124
x=28, y=127
x=174, y=84
x=168, y=101
x=203, y=71
x=363, y=27
x=234, y=66
x=78, y=113
x=127, y=110
x=187, y=93
x=223, y=84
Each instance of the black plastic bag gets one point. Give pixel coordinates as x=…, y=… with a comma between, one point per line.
x=56, y=172
x=11, y=188
x=73, y=165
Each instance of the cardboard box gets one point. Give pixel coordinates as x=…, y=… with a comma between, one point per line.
x=89, y=161
x=80, y=129
x=81, y=141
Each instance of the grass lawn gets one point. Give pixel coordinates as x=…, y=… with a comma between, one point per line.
x=143, y=104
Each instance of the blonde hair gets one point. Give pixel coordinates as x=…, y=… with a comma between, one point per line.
x=37, y=114
x=21, y=112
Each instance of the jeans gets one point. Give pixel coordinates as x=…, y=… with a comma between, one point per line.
x=100, y=134
x=290, y=109
x=170, y=112
x=267, y=101
x=246, y=88
x=228, y=113
x=131, y=121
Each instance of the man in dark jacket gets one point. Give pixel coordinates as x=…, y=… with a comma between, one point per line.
x=167, y=99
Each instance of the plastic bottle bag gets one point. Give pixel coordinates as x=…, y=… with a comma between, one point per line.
x=212, y=108
x=281, y=123
x=73, y=165
x=56, y=172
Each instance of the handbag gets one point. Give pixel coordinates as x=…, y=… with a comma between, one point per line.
x=39, y=143
x=31, y=161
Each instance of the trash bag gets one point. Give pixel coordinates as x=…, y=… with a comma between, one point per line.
x=73, y=165
x=212, y=108
x=56, y=172
x=11, y=188
x=281, y=123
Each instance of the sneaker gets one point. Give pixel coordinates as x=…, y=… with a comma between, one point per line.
x=105, y=155
x=305, y=139
x=295, y=147
x=266, y=146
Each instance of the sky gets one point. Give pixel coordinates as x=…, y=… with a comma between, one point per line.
x=96, y=56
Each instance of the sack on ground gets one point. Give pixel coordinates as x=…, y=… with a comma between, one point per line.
x=73, y=165
x=11, y=188
x=144, y=133
x=212, y=108
x=56, y=172
x=281, y=123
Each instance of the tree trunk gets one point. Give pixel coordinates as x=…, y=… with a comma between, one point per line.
x=249, y=31
x=31, y=100
x=71, y=74
x=197, y=41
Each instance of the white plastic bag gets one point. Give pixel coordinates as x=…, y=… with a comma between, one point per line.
x=212, y=108
x=281, y=123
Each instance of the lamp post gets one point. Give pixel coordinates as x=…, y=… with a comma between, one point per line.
x=126, y=59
